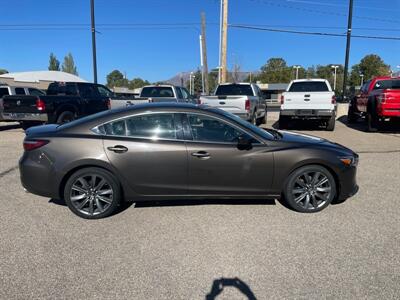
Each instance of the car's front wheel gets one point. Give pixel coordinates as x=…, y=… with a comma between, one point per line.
x=92, y=193
x=310, y=189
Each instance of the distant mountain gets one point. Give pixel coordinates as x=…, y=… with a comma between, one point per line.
x=184, y=76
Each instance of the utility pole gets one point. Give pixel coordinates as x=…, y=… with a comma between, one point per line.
x=346, y=64
x=190, y=83
x=220, y=40
x=93, y=41
x=204, y=54
x=334, y=77
x=224, y=41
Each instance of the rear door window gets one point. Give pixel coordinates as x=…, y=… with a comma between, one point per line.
x=179, y=93
x=19, y=91
x=88, y=90
x=104, y=92
x=153, y=126
x=35, y=92
x=309, y=86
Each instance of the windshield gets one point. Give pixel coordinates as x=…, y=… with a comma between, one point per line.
x=157, y=91
x=257, y=130
x=234, y=90
x=309, y=86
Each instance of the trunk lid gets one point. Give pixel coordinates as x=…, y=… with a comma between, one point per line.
x=39, y=131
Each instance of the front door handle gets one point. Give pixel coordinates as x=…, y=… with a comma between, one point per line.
x=201, y=154
x=118, y=149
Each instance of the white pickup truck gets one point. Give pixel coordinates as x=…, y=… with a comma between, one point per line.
x=308, y=99
x=157, y=93
x=242, y=99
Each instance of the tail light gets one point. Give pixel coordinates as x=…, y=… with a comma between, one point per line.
x=282, y=99
x=333, y=99
x=382, y=98
x=108, y=102
x=247, y=105
x=34, y=144
x=40, y=105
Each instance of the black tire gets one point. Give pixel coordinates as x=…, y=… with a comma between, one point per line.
x=283, y=122
x=262, y=120
x=66, y=117
x=89, y=205
x=317, y=199
x=372, y=122
x=352, y=117
x=253, y=119
x=330, y=126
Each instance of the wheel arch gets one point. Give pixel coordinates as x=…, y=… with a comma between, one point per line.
x=74, y=169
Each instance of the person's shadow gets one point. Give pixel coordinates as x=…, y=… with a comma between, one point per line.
x=219, y=285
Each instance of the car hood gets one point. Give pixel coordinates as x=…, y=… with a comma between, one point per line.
x=309, y=140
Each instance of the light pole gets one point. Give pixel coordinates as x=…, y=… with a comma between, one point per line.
x=362, y=79
x=346, y=60
x=334, y=77
x=190, y=83
x=297, y=71
x=93, y=28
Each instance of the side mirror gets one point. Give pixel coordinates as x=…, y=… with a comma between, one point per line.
x=244, y=143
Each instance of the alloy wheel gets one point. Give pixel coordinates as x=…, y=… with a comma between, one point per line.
x=91, y=194
x=311, y=190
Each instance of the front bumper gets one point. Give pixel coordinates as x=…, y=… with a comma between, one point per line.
x=26, y=117
x=348, y=186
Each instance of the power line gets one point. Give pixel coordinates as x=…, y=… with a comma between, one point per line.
x=316, y=11
x=313, y=33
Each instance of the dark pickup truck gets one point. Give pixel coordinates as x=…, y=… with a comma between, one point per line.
x=62, y=103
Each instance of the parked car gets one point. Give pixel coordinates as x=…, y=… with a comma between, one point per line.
x=308, y=99
x=178, y=151
x=242, y=99
x=7, y=90
x=379, y=99
x=62, y=103
x=158, y=93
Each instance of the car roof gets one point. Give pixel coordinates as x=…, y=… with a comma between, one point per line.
x=311, y=79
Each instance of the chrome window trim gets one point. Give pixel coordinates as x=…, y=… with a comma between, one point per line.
x=96, y=130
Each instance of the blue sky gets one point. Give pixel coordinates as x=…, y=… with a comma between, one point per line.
x=157, y=54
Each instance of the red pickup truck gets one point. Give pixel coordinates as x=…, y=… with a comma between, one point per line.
x=378, y=100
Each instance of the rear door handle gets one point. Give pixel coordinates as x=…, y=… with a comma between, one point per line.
x=201, y=154
x=118, y=149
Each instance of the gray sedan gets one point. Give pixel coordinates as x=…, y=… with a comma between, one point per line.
x=178, y=151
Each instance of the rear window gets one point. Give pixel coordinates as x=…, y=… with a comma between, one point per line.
x=387, y=84
x=309, y=86
x=234, y=90
x=157, y=91
x=19, y=91
x=62, y=89
x=3, y=92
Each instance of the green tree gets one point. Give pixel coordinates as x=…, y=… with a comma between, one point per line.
x=370, y=66
x=327, y=72
x=68, y=65
x=136, y=83
x=212, y=80
x=116, y=79
x=54, y=63
x=3, y=71
x=275, y=71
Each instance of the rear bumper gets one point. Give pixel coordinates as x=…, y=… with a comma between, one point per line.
x=26, y=117
x=308, y=113
x=389, y=110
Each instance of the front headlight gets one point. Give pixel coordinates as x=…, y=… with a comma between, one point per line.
x=349, y=161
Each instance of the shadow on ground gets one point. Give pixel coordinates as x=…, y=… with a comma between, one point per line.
x=361, y=125
x=306, y=125
x=218, y=286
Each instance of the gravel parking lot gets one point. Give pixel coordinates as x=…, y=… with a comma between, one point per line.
x=208, y=250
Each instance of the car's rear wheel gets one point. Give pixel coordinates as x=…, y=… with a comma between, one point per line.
x=92, y=193
x=372, y=122
x=253, y=119
x=351, y=114
x=263, y=119
x=310, y=189
x=330, y=126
